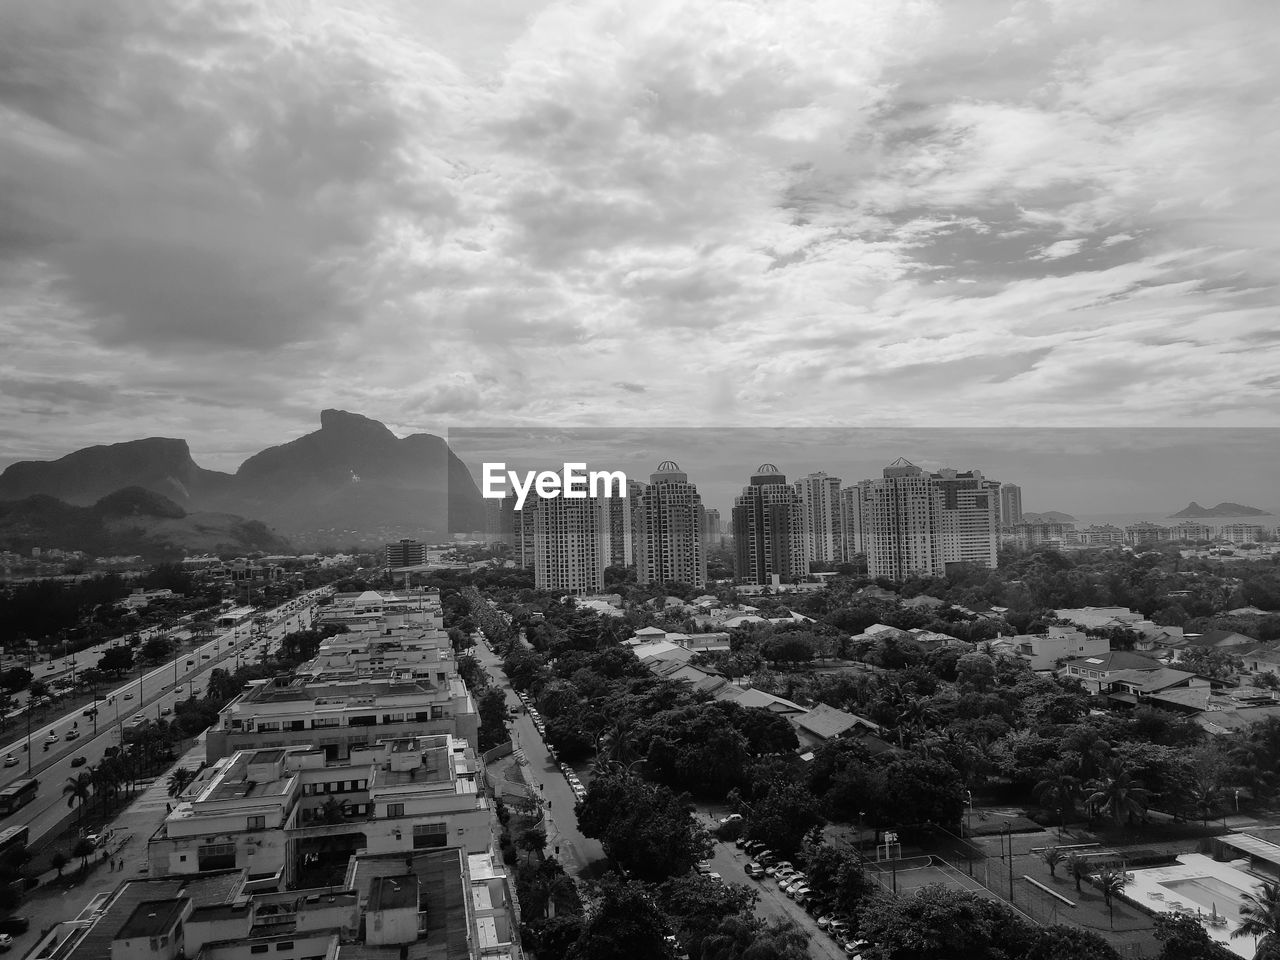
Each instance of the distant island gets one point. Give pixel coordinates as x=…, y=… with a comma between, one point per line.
x=1048, y=516
x=1194, y=511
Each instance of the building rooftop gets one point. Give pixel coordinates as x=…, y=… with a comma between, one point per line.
x=1115, y=660
x=393, y=893
x=152, y=918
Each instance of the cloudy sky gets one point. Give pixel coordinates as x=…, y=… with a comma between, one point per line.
x=218, y=217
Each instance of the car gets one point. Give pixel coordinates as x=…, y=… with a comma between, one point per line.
x=740, y=843
x=799, y=894
x=51, y=738
x=73, y=735
x=753, y=869
x=824, y=921
x=139, y=718
x=731, y=818
x=6, y=941
x=704, y=866
x=78, y=761
x=10, y=760
x=838, y=928
x=165, y=711
x=716, y=877
x=191, y=663
x=128, y=696
x=15, y=925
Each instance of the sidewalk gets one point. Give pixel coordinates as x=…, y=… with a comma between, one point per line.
x=57, y=899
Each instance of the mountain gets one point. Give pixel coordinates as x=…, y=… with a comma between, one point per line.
x=1048, y=516
x=86, y=476
x=127, y=522
x=1193, y=510
x=352, y=479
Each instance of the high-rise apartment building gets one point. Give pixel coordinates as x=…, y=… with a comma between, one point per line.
x=852, y=529
x=768, y=529
x=900, y=520
x=406, y=553
x=522, y=528
x=822, y=517
x=571, y=544
x=669, y=523
x=712, y=530
x=1010, y=504
x=621, y=513
x=968, y=517
x=918, y=523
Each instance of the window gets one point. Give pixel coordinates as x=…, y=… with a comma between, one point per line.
x=284, y=945
x=182, y=858
x=363, y=721
x=259, y=948
x=257, y=823
x=437, y=713
x=395, y=809
x=427, y=835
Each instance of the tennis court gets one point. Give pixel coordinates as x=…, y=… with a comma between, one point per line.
x=916, y=872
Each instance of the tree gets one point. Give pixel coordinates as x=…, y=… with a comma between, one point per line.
x=157, y=649
x=1077, y=867
x=1117, y=793
x=1185, y=939
x=1111, y=882
x=116, y=660
x=1260, y=916
x=1059, y=792
x=646, y=827
x=783, y=816
x=15, y=679
x=531, y=841
x=623, y=922
x=697, y=906
x=1060, y=942
x=939, y=923
x=1052, y=856
x=78, y=789
x=179, y=780
x=59, y=860
x=83, y=849
x=492, y=706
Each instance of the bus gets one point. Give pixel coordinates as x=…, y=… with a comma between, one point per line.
x=17, y=795
x=12, y=838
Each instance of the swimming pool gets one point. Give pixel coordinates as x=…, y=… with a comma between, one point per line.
x=1207, y=893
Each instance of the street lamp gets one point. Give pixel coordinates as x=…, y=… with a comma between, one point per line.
x=1237, y=800
x=969, y=819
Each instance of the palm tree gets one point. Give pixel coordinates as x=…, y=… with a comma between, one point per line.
x=1260, y=916
x=78, y=790
x=1111, y=882
x=1058, y=792
x=1078, y=867
x=84, y=850
x=1118, y=793
x=1052, y=857
x=59, y=861
x=179, y=780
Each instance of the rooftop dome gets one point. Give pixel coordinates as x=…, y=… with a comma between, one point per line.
x=767, y=468
x=668, y=466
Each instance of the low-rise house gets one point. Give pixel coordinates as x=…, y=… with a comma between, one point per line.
x=1096, y=673
x=1044, y=651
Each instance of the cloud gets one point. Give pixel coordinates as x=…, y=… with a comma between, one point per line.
x=866, y=211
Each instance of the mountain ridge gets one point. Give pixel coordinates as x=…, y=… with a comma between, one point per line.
x=1193, y=510
x=352, y=477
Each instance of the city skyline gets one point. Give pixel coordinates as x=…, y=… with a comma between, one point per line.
x=218, y=220
x=1092, y=472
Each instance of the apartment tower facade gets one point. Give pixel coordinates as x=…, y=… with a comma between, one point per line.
x=768, y=529
x=669, y=529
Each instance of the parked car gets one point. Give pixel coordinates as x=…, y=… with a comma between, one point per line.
x=73, y=735
x=753, y=869
x=15, y=925
x=740, y=843
x=731, y=818
x=6, y=942
x=78, y=762
x=10, y=760
x=703, y=867
x=780, y=866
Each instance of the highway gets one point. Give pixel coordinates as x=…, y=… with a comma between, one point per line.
x=150, y=695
